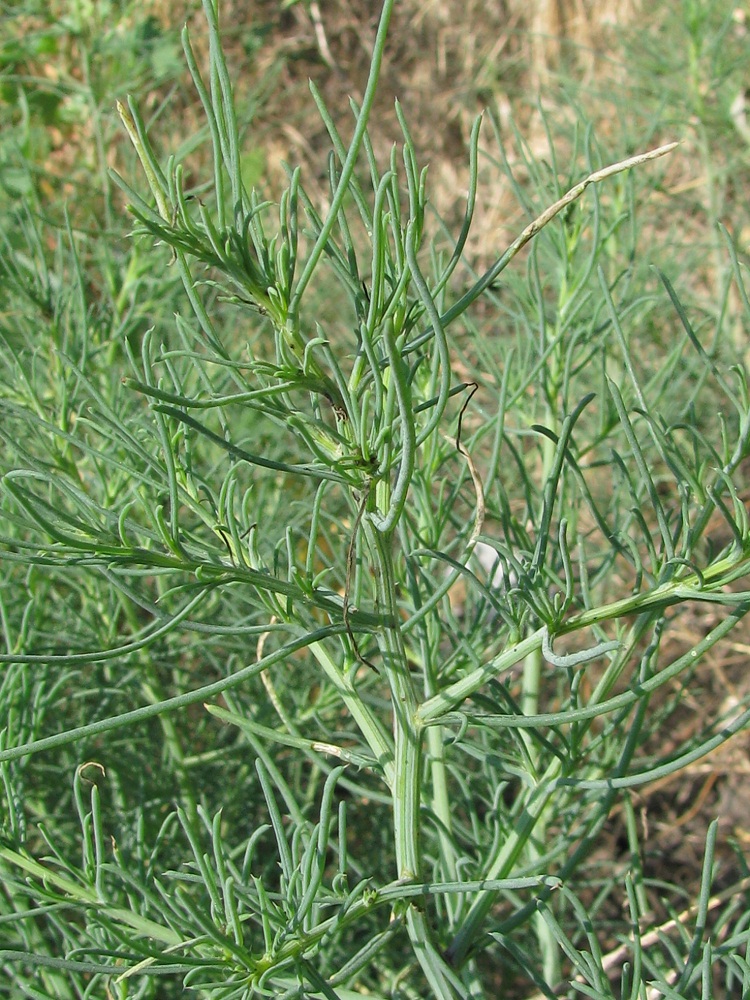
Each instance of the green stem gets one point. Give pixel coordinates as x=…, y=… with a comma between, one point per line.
x=407, y=733
x=407, y=779
x=377, y=738
x=532, y=675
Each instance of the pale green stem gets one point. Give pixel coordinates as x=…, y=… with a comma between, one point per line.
x=440, y=798
x=532, y=675
x=441, y=806
x=406, y=785
x=407, y=733
x=377, y=738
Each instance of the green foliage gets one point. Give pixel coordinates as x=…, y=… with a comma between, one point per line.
x=234, y=534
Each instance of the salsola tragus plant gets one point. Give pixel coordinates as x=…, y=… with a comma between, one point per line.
x=260, y=532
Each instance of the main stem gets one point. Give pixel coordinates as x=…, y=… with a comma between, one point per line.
x=407, y=733
x=407, y=776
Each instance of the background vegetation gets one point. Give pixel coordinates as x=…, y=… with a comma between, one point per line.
x=208, y=843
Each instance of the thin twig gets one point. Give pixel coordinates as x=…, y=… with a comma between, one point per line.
x=478, y=486
x=575, y=192
x=268, y=681
x=535, y=227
